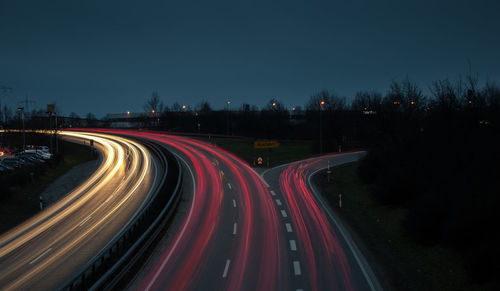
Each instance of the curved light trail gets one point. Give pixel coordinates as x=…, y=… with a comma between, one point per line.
x=241, y=233
x=50, y=247
x=222, y=245
x=332, y=261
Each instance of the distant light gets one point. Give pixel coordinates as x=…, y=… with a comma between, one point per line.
x=274, y=104
x=128, y=112
x=228, y=102
x=293, y=108
x=412, y=102
x=470, y=101
x=322, y=102
x=153, y=111
x=183, y=106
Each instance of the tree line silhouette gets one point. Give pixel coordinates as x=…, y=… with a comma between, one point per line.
x=436, y=155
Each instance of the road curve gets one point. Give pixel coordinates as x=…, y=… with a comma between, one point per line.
x=230, y=238
x=46, y=250
x=329, y=256
x=241, y=233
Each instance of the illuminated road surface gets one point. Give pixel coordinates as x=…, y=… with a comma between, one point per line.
x=45, y=251
x=238, y=234
x=328, y=257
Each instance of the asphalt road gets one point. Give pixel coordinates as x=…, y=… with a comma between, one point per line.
x=328, y=256
x=237, y=232
x=45, y=251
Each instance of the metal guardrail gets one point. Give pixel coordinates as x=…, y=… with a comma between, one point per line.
x=120, y=251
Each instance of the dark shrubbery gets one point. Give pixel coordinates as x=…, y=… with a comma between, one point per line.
x=446, y=172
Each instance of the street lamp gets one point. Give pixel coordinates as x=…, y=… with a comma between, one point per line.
x=21, y=111
x=228, y=109
x=321, y=126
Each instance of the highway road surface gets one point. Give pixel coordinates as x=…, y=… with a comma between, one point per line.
x=329, y=258
x=238, y=232
x=45, y=251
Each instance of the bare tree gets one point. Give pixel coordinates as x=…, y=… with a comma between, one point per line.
x=327, y=101
x=154, y=104
x=446, y=96
x=176, y=107
x=366, y=101
x=405, y=96
x=204, y=107
x=275, y=105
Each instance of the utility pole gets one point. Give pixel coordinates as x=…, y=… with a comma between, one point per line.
x=21, y=110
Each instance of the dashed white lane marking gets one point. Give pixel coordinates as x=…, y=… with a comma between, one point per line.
x=288, y=227
x=273, y=193
x=226, y=268
x=222, y=172
x=40, y=256
x=234, y=203
x=299, y=289
x=229, y=185
x=85, y=221
x=278, y=202
x=296, y=268
x=293, y=245
x=235, y=225
x=283, y=213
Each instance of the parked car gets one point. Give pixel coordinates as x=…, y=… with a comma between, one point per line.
x=11, y=162
x=44, y=149
x=34, y=157
x=43, y=155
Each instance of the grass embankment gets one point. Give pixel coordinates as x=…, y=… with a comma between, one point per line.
x=23, y=200
x=397, y=259
x=287, y=151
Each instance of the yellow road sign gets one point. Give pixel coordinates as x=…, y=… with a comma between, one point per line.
x=265, y=144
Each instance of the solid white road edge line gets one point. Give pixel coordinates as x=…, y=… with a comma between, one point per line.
x=350, y=243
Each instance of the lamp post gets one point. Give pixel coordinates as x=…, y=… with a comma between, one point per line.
x=228, y=116
x=321, y=126
x=21, y=111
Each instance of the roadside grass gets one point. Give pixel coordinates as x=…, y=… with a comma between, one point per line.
x=287, y=151
x=24, y=201
x=398, y=260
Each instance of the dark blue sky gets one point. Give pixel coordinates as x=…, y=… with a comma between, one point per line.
x=102, y=57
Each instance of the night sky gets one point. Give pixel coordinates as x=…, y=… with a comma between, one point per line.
x=108, y=56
